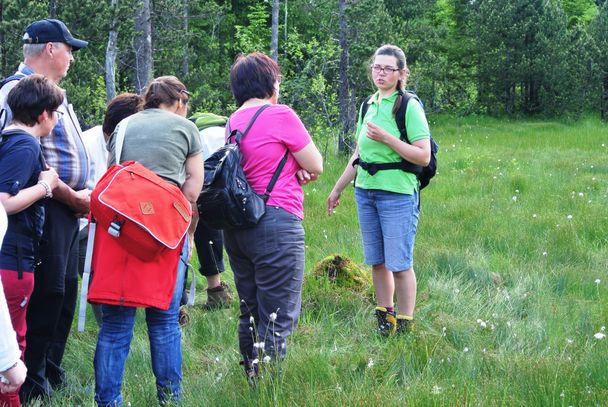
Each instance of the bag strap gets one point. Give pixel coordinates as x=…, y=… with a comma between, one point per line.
x=275, y=177
x=120, y=139
x=86, y=275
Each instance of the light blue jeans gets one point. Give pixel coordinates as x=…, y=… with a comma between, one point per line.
x=388, y=223
x=164, y=333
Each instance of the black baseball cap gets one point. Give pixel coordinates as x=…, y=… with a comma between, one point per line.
x=51, y=30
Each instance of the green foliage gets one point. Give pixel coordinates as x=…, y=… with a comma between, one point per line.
x=255, y=36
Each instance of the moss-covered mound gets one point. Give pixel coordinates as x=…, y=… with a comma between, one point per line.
x=343, y=272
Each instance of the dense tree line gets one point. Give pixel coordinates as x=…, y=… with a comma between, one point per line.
x=500, y=57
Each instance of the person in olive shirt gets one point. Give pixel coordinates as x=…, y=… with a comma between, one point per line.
x=388, y=201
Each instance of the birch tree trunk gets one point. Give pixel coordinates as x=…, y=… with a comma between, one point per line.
x=142, y=45
x=343, y=91
x=111, y=51
x=274, y=40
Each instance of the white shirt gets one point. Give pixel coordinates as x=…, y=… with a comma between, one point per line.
x=95, y=144
x=9, y=350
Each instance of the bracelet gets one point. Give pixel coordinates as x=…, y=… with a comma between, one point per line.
x=47, y=188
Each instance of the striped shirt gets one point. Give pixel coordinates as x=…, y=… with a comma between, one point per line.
x=63, y=149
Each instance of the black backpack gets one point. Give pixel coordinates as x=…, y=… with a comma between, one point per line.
x=424, y=174
x=227, y=201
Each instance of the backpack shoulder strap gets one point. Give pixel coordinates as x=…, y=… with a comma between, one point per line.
x=3, y=113
x=400, y=114
x=364, y=107
x=120, y=139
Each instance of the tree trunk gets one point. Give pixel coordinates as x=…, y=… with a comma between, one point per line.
x=53, y=9
x=111, y=51
x=274, y=40
x=185, y=60
x=343, y=100
x=142, y=45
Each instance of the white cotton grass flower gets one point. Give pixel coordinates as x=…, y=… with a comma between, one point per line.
x=598, y=281
x=544, y=253
x=534, y=215
x=600, y=335
x=569, y=217
x=272, y=316
x=436, y=390
x=482, y=323
x=266, y=359
x=259, y=345
x=255, y=361
x=370, y=363
x=514, y=198
x=569, y=341
x=251, y=320
x=466, y=349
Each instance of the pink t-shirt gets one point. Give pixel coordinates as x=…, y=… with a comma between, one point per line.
x=277, y=129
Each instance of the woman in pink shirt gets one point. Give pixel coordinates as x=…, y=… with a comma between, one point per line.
x=268, y=259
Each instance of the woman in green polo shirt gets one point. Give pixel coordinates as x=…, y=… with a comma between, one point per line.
x=387, y=200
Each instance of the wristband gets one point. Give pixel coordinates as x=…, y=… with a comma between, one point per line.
x=47, y=188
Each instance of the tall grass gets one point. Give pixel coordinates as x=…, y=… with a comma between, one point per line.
x=511, y=259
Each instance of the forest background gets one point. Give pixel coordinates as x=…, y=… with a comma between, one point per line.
x=542, y=58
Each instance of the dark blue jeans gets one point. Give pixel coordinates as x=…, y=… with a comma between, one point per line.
x=165, y=346
x=268, y=265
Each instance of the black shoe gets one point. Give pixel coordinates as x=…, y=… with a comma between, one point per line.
x=386, y=321
x=404, y=326
x=251, y=370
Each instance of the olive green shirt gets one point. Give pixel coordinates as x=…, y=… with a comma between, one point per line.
x=372, y=151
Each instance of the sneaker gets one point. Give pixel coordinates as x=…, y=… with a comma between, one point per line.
x=386, y=321
x=218, y=297
x=404, y=325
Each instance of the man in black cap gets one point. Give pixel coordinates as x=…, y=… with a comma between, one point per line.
x=47, y=50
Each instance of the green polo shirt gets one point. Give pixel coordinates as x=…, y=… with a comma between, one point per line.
x=372, y=151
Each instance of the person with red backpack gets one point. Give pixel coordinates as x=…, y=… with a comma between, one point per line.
x=162, y=140
x=386, y=192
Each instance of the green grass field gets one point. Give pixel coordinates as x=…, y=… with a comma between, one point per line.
x=511, y=259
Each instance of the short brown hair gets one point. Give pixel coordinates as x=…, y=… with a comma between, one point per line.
x=253, y=76
x=121, y=106
x=31, y=96
x=164, y=90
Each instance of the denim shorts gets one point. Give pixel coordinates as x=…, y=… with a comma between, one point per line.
x=388, y=222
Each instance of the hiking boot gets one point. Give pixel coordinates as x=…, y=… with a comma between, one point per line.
x=218, y=297
x=183, y=318
x=386, y=321
x=404, y=325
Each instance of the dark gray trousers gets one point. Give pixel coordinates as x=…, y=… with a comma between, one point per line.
x=268, y=265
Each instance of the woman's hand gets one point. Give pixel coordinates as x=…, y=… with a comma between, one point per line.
x=15, y=377
x=377, y=133
x=332, y=202
x=304, y=177
x=50, y=177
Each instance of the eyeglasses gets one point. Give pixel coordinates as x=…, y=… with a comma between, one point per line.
x=59, y=114
x=385, y=69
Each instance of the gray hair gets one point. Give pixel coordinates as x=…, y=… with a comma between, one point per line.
x=34, y=50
